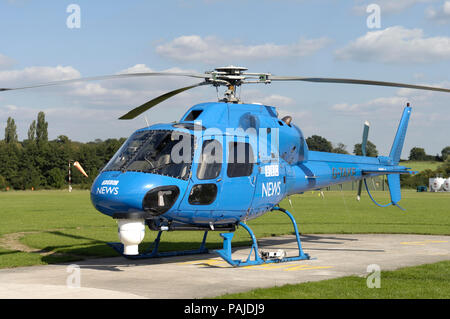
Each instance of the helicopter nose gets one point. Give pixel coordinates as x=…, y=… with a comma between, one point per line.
x=130, y=194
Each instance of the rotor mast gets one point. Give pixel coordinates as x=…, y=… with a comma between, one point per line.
x=232, y=77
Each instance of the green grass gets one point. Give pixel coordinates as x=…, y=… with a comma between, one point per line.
x=68, y=227
x=421, y=165
x=426, y=281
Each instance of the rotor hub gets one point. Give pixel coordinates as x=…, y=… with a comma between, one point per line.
x=233, y=76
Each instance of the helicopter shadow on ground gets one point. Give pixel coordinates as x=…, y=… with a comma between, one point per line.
x=98, y=255
x=118, y=263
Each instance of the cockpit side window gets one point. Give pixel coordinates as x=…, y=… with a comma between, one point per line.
x=127, y=151
x=210, y=162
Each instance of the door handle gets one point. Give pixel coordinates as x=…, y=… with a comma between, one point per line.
x=252, y=180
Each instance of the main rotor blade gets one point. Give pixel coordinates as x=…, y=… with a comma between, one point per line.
x=144, y=107
x=356, y=81
x=108, y=77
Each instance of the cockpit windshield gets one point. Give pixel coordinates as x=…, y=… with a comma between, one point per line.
x=162, y=152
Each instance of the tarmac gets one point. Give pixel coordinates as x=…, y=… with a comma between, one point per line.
x=207, y=275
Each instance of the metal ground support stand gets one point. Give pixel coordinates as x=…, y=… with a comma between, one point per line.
x=226, y=252
x=153, y=252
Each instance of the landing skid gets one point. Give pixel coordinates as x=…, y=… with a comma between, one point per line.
x=226, y=252
x=153, y=252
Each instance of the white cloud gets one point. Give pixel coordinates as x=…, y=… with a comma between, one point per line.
x=378, y=105
x=36, y=75
x=214, y=50
x=277, y=100
x=440, y=15
x=396, y=45
x=382, y=106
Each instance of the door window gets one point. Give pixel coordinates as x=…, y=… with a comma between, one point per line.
x=240, y=159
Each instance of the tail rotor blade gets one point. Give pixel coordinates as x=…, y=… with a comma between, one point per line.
x=364, y=153
x=364, y=139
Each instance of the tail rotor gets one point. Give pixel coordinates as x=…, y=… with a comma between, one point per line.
x=363, y=150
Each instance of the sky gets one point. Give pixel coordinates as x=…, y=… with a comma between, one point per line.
x=401, y=41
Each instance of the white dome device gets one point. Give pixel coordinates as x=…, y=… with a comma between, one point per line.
x=131, y=234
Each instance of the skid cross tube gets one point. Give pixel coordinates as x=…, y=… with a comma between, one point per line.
x=226, y=252
x=153, y=251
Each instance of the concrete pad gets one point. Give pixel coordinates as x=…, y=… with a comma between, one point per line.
x=208, y=276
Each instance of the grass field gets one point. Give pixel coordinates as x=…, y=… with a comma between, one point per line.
x=54, y=226
x=419, y=282
x=421, y=165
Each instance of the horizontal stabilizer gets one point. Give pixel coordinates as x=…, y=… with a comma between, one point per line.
x=386, y=172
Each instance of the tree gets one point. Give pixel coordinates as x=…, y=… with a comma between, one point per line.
x=32, y=131
x=417, y=154
x=445, y=153
x=319, y=143
x=62, y=139
x=11, y=131
x=41, y=128
x=9, y=162
x=340, y=149
x=56, y=178
x=371, y=149
x=3, y=183
x=444, y=169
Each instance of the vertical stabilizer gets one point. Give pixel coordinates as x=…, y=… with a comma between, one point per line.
x=399, y=140
x=394, y=189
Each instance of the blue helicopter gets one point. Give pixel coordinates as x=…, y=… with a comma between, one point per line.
x=223, y=164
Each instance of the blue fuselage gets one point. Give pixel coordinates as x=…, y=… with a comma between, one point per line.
x=144, y=177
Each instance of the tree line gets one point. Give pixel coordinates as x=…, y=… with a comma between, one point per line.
x=37, y=163
x=321, y=144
